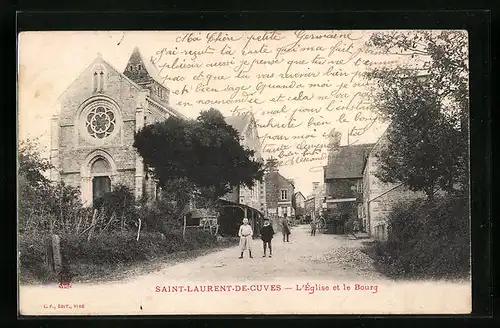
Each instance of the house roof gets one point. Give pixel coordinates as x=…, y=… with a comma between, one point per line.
x=347, y=161
x=238, y=122
x=299, y=193
x=274, y=175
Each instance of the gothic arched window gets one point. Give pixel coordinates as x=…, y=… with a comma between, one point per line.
x=95, y=81
x=98, y=78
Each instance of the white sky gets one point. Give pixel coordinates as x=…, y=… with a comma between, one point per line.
x=50, y=61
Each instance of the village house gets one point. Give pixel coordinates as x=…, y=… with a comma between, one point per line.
x=246, y=127
x=315, y=202
x=309, y=209
x=279, y=194
x=344, y=186
x=378, y=197
x=299, y=206
x=242, y=201
x=99, y=113
x=299, y=200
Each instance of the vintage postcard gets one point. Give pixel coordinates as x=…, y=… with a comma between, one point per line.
x=243, y=172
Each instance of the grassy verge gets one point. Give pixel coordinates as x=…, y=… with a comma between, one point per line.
x=113, y=256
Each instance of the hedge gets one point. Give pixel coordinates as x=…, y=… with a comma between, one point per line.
x=426, y=240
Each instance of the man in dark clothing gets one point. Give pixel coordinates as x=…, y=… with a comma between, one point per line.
x=285, y=227
x=266, y=234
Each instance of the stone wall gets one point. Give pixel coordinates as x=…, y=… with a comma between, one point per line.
x=116, y=87
x=379, y=198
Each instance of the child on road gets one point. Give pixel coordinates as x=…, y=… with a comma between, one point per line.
x=266, y=234
x=313, y=227
x=245, y=233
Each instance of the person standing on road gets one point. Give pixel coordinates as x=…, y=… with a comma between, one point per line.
x=245, y=233
x=313, y=227
x=355, y=227
x=285, y=225
x=266, y=234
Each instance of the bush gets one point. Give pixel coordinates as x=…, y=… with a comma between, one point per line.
x=117, y=208
x=426, y=240
x=32, y=259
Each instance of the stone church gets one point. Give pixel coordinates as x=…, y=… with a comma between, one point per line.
x=99, y=113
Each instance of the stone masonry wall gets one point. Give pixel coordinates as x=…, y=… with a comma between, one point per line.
x=379, y=198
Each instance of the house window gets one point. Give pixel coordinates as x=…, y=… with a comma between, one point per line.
x=360, y=210
x=359, y=186
x=139, y=67
x=284, y=194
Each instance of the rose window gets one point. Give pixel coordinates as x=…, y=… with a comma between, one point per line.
x=100, y=122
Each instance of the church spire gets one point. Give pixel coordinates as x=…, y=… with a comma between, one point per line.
x=141, y=70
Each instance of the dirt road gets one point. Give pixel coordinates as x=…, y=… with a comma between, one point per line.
x=342, y=277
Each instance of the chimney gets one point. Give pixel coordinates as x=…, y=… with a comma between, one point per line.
x=334, y=138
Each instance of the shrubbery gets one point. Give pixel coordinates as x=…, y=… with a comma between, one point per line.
x=106, y=252
x=97, y=240
x=426, y=240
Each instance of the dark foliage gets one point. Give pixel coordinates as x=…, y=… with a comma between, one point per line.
x=44, y=206
x=117, y=207
x=426, y=240
x=205, y=152
x=428, y=106
x=107, y=252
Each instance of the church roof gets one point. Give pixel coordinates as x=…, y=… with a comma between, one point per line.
x=99, y=60
x=347, y=161
x=149, y=72
x=238, y=122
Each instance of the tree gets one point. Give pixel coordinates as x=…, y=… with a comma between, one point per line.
x=428, y=110
x=42, y=205
x=32, y=165
x=202, y=155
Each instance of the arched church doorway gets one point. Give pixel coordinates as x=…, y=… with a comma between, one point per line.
x=101, y=177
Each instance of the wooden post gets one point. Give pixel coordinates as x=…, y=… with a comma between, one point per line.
x=56, y=251
x=139, y=229
x=184, y=229
x=92, y=225
x=49, y=257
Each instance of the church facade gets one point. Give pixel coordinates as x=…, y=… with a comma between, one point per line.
x=92, y=136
